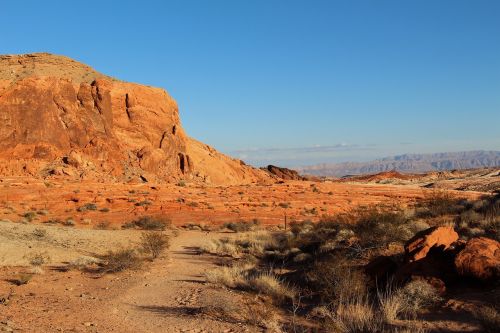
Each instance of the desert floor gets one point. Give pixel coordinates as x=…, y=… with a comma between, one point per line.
x=167, y=295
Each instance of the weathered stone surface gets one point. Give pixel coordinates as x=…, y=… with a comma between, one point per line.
x=479, y=259
x=56, y=110
x=283, y=173
x=435, y=237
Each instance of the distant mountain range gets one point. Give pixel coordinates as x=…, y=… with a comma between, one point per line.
x=410, y=163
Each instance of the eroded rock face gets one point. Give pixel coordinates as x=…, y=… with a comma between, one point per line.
x=54, y=110
x=479, y=259
x=283, y=173
x=436, y=237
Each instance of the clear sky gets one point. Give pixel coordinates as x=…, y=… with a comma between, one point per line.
x=293, y=82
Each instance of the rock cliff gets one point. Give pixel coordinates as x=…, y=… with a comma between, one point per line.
x=59, y=117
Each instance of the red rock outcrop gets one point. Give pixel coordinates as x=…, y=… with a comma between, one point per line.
x=436, y=237
x=479, y=259
x=60, y=117
x=283, y=173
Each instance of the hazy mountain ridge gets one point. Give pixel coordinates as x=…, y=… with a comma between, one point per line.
x=408, y=163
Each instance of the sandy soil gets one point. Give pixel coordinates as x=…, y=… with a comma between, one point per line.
x=164, y=296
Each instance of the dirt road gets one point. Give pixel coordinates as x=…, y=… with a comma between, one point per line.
x=168, y=295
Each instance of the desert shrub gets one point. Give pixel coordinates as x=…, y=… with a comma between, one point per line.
x=417, y=295
x=489, y=318
x=119, y=260
x=68, y=223
x=235, y=277
x=377, y=228
x=391, y=303
x=29, y=216
x=87, y=207
x=192, y=226
x=356, y=315
x=104, y=210
x=284, y=204
x=149, y=223
x=242, y=226
x=482, y=218
x=301, y=227
x=260, y=315
x=438, y=203
x=143, y=203
x=270, y=284
x=336, y=281
x=83, y=262
x=39, y=233
x=197, y=226
x=53, y=221
x=38, y=259
x=222, y=247
x=154, y=243
x=181, y=183
x=103, y=225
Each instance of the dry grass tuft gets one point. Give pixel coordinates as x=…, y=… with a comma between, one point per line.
x=232, y=277
x=489, y=318
x=270, y=284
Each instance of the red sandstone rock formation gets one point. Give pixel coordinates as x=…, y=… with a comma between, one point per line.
x=60, y=117
x=479, y=259
x=437, y=237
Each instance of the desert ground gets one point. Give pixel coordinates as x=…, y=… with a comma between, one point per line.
x=88, y=204
x=71, y=225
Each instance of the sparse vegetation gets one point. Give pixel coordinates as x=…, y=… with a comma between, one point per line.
x=143, y=203
x=489, y=317
x=103, y=225
x=149, y=223
x=242, y=226
x=154, y=243
x=119, y=260
x=38, y=259
x=40, y=233
x=29, y=216
x=324, y=263
x=86, y=207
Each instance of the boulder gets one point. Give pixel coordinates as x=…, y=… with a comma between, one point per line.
x=436, y=268
x=283, y=173
x=435, y=237
x=480, y=259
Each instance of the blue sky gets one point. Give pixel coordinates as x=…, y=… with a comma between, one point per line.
x=293, y=82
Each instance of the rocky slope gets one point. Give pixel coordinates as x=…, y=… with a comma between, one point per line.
x=409, y=163
x=62, y=118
